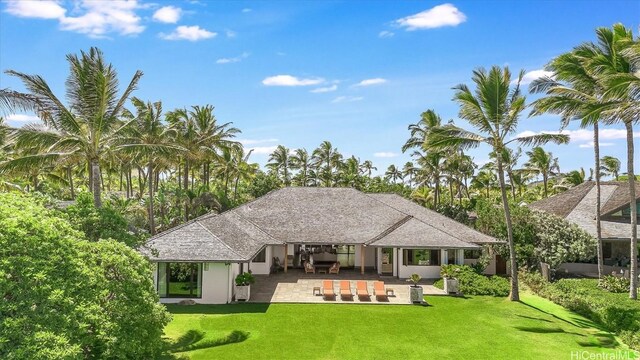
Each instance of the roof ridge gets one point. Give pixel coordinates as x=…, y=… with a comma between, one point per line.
x=222, y=241
x=389, y=230
x=426, y=223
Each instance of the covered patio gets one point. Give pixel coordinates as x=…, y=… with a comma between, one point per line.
x=295, y=286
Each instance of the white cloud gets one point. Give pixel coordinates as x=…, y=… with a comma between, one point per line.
x=191, y=33
x=385, y=34
x=438, y=16
x=533, y=75
x=103, y=17
x=369, y=82
x=168, y=14
x=384, y=154
x=22, y=118
x=233, y=59
x=263, y=150
x=333, y=87
x=256, y=141
x=288, y=80
x=246, y=10
x=36, y=9
x=584, y=137
x=345, y=99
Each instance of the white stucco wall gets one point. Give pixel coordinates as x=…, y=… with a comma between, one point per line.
x=265, y=267
x=489, y=270
x=369, y=256
x=215, y=285
x=427, y=272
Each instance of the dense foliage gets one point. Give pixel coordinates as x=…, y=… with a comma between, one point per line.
x=614, y=311
x=614, y=284
x=62, y=296
x=539, y=236
x=472, y=283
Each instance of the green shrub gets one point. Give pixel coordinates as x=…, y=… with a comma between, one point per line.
x=472, y=283
x=615, y=284
x=614, y=312
x=63, y=297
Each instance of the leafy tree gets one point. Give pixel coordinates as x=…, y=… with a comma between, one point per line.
x=326, y=159
x=611, y=166
x=543, y=163
x=65, y=297
x=262, y=184
x=280, y=162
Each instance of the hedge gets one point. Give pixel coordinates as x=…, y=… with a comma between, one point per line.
x=472, y=283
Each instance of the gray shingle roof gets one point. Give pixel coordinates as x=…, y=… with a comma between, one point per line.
x=311, y=216
x=578, y=205
x=438, y=221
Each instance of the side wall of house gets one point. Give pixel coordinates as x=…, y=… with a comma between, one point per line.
x=265, y=267
x=216, y=285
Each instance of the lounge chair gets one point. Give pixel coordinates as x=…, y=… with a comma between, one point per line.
x=361, y=290
x=309, y=268
x=335, y=268
x=327, y=289
x=379, y=291
x=345, y=289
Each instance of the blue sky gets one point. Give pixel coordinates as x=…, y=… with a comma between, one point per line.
x=296, y=73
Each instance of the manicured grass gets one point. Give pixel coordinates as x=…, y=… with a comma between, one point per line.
x=464, y=328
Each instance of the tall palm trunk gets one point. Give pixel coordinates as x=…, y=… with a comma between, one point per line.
x=515, y=293
x=633, y=289
x=545, y=181
x=95, y=181
x=596, y=150
x=70, y=176
x=152, y=225
x=185, y=183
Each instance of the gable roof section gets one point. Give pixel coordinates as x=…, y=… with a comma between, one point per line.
x=435, y=220
x=562, y=204
x=416, y=234
x=620, y=198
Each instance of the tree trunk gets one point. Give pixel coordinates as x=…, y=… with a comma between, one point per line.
x=515, y=293
x=451, y=190
x=185, y=183
x=70, y=176
x=436, y=199
x=152, y=225
x=633, y=289
x=95, y=176
x=596, y=150
x=545, y=179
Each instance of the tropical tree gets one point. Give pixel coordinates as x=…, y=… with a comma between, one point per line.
x=326, y=159
x=542, y=163
x=493, y=109
x=420, y=130
x=301, y=161
x=367, y=167
x=409, y=170
x=88, y=125
x=393, y=173
x=611, y=166
x=280, y=162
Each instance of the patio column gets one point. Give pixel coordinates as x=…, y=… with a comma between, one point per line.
x=286, y=262
x=362, y=259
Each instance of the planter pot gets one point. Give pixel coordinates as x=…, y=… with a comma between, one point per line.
x=416, y=294
x=451, y=286
x=243, y=292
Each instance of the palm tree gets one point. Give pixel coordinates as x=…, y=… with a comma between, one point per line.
x=494, y=109
x=484, y=180
x=431, y=169
x=542, y=163
x=409, y=171
x=367, y=167
x=350, y=173
x=611, y=166
x=88, y=125
x=300, y=161
x=419, y=131
x=151, y=140
x=393, y=173
x=572, y=178
x=615, y=62
x=280, y=162
x=326, y=160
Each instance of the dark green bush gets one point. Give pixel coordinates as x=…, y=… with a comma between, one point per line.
x=614, y=312
x=472, y=283
x=615, y=284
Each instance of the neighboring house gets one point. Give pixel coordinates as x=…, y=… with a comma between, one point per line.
x=578, y=205
x=384, y=233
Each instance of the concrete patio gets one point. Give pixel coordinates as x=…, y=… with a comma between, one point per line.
x=297, y=287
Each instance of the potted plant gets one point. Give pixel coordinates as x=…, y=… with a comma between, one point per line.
x=416, y=293
x=449, y=274
x=243, y=285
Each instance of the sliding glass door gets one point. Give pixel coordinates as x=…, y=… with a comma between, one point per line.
x=180, y=279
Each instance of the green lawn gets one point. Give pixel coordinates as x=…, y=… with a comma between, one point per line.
x=464, y=328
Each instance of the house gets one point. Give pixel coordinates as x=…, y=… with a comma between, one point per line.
x=383, y=233
x=578, y=205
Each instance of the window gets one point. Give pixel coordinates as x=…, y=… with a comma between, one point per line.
x=261, y=257
x=182, y=280
x=472, y=254
x=452, y=256
x=421, y=257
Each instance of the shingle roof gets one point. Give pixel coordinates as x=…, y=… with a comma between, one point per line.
x=578, y=205
x=307, y=215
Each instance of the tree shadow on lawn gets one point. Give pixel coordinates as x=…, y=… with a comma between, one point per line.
x=245, y=308
x=193, y=340
x=545, y=330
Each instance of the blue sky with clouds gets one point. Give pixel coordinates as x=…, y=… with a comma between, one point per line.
x=300, y=72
